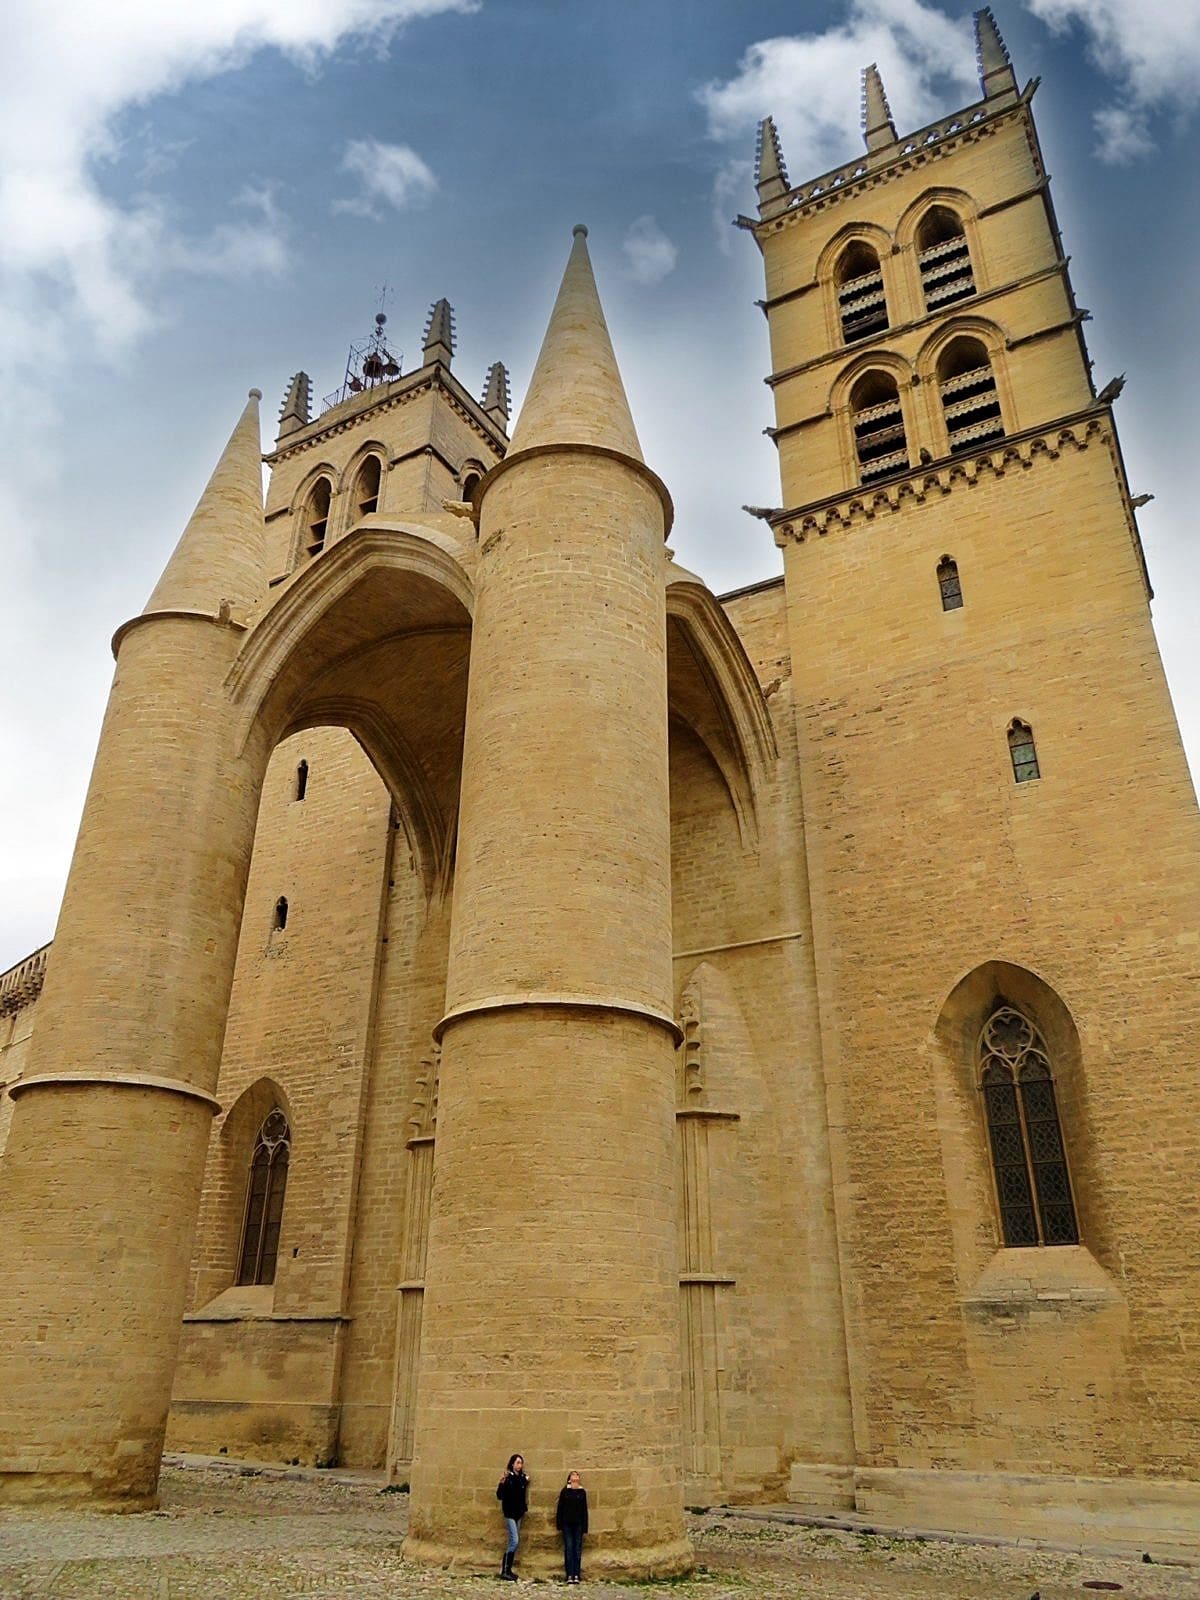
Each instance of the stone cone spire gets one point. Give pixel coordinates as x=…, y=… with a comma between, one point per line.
x=996, y=75
x=576, y=395
x=221, y=555
x=877, y=125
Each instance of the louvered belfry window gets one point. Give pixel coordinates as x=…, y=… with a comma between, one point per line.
x=317, y=515
x=264, y=1200
x=944, y=259
x=861, y=302
x=970, y=403
x=879, y=439
x=1029, y=1163
x=949, y=584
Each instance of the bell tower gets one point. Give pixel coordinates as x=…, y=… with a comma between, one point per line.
x=998, y=817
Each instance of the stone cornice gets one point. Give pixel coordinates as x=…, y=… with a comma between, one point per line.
x=21, y=985
x=398, y=393
x=927, y=144
x=853, y=507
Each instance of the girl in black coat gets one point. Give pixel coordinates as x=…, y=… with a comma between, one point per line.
x=571, y=1520
x=513, y=1494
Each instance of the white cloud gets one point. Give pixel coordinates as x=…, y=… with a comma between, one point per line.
x=392, y=173
x=1150, y=50
x=650, y=254
x=810, y=82
x=71, y=69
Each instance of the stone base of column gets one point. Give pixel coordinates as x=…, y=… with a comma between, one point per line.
x=67, y=1489
x=540, y=1558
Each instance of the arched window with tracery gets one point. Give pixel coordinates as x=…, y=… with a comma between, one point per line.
x=265, y=1190
x=367, y=486
x=316, y=515
x=944, y=259
x=862, y=305
x=970, y=403
x=1029, y=1162
x=879, y=440
x=1023, y=752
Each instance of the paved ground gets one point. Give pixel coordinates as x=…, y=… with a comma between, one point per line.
x=223, y=1536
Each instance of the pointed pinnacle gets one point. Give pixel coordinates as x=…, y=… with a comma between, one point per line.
x=439, y=334
x=770, y=171
x=497, y=400
x=996, y=75
x=878, y=128
x=221, y=554
x=576, y=395
x=297, y=405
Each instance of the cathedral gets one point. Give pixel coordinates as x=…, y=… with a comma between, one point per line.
x=508, y=997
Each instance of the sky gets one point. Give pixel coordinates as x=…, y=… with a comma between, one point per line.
x=195, y=200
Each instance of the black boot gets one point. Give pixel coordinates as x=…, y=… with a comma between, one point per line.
x=506, y=1571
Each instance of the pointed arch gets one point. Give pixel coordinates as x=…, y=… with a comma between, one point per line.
x=945, y=270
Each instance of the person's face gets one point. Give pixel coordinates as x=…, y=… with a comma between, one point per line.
x=573, y=1480
x=518, y=1463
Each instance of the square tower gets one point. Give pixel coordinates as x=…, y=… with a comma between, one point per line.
x=1001, y=833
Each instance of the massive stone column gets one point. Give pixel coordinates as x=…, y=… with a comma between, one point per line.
x=551, y=1321
x=100, y=1179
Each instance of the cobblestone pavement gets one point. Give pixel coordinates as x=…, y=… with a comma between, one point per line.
x=221, y=1535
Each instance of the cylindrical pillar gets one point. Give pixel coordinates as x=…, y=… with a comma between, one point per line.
x=551, y=1319
x=100, y=1180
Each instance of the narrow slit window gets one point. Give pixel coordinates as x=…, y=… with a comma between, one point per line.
x=949, y=584
x=469, y=484
x=878, y=421
x=944, y=259
x=367, y=486
x=301, y=780
x=970, y=402
x=265, y=1189
x=1029, y=1162
x=317, y=515
x=281, y=914
x=862, y=305
x=1023, y=750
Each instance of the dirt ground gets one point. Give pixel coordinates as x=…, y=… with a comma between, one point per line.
x=222, y=1535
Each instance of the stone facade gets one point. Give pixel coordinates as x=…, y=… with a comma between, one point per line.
x=616, y=959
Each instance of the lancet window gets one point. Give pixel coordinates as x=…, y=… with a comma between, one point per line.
x=301, y=780
x=281, y=913
x=316, y=515
x=1029, y=1163
x=879, y=439
x=949, y=584
x=265, y=1190
x=367, y=485
x=970, y=402
x=1023, y=751
x=862, y=305
x=944, y=259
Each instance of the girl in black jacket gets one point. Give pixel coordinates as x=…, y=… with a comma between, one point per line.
x=572, y=1521
x=513, y=1494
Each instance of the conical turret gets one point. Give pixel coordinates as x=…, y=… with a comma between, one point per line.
x=576, y=395
x=497, y=401
x=996, y=75
x=878, y=128
x=221, y=555
x=439, y=334
x=297, y=405
x=770, y=171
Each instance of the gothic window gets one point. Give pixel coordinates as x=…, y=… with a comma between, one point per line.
x=366, y=487
x=944, y=259
x=949, y=584
x=281, y=913
x=879, y=440
x=1023, y=752
x=301, y=781
x=264, y=1201
x=970, y=403
x=469, y=484
x=861, y=303
x=316, y=515
x=1029, y=1162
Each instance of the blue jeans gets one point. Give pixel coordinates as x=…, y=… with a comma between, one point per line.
x=572, y=1549
x=514, y=1534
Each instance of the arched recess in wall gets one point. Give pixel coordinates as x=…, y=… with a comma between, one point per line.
x=221, y=1222
x=854, y=273
x=374, y=638
x=960, y=1062
x=939, y=234
x=364, y=480
x=312, y=511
